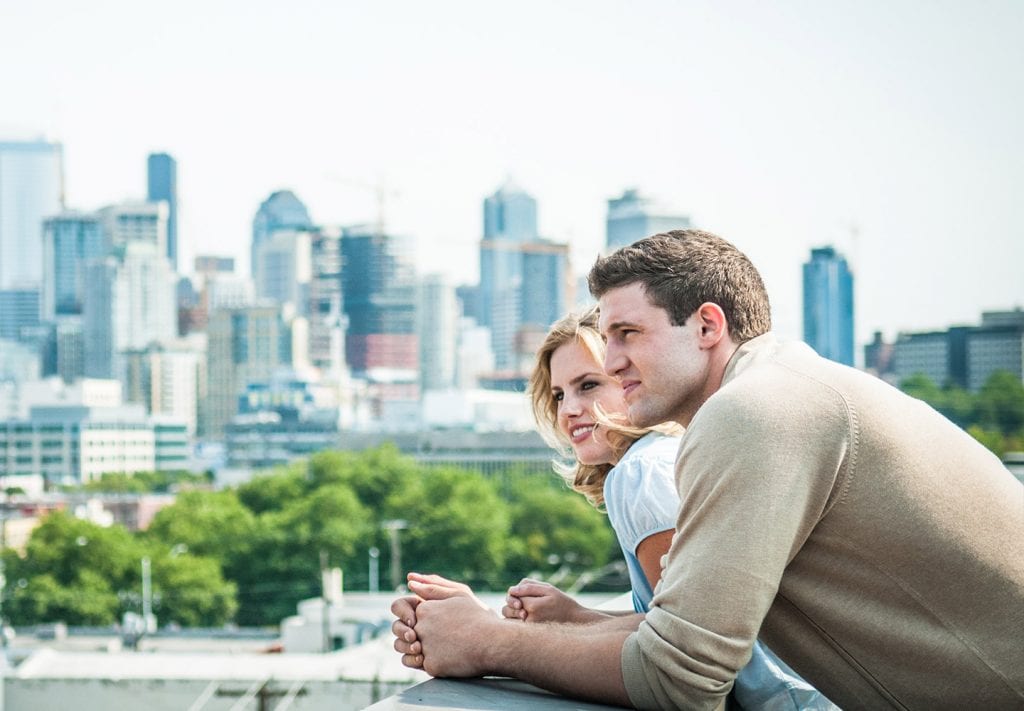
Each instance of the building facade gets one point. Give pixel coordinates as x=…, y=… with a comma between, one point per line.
x=828, y=305
x=245, y=345
x=70, y=241
x=162, y=185
x=437, y=323
x=524, y=280
x=129, y=303
x=31, y=189
x=633, y=216
x=281, y=211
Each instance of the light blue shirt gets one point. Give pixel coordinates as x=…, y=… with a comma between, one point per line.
x=641, y=498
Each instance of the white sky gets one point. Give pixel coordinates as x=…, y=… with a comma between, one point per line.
x=780, y=126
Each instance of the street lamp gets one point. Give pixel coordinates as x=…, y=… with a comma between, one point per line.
x=393, y=527
x=374, y=584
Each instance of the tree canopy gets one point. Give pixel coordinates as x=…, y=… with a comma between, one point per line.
x=249, y=554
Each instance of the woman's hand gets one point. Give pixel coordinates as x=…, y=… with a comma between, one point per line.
x=536, y=601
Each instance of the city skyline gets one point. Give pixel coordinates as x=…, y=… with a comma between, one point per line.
x=885, y=131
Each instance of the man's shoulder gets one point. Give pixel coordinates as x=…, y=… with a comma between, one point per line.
x=787, y=382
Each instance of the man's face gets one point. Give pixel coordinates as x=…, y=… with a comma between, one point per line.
x=662, y=369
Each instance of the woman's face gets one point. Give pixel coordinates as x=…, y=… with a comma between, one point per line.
x=578, y=382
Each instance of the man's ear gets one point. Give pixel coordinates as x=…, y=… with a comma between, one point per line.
x=713, y=324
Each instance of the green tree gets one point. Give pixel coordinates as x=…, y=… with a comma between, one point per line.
x=282, y=566
x=1000, y=403
x=457, y=526
x=275, y=490
x=213, y=524
x=191, y=590
x=922, y=387
x=73, y=571
x=552, y=527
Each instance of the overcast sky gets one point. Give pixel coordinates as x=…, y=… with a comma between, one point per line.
x=892, y=130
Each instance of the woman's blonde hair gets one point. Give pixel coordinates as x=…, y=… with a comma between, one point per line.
x=587, y=479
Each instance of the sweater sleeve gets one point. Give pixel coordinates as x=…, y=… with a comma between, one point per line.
x=755, y=473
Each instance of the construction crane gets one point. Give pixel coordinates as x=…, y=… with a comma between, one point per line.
x=380, y=190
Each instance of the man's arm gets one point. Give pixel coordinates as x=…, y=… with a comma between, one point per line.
x=460, y=640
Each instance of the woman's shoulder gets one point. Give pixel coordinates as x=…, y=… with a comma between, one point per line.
x=651, y=457
x=654, y=448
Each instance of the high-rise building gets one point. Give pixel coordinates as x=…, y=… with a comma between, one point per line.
x=828, y=305
x=327, y=323
x=437, y=321
x=129, y=303
x=136, y=222
x=165, y=379
x=524, y=280
x=281, y=211
x=633, y=216
x=31, y=189
x=246, y=345
x=379, y=297
x=510, y=214
x=283, y=268
x=19, y=313
x=70, y=241
x=162, y=184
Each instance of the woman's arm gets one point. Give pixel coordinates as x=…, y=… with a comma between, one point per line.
x=650, y=551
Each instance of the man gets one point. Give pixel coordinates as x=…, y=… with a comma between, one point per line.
x=877, y=548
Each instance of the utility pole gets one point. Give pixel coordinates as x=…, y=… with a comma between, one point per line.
x=147, y=594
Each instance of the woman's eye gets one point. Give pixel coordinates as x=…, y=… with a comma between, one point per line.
x=559, y=397
x=589, y=385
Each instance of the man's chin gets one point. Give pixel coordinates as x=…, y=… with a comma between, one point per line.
x=639, y=416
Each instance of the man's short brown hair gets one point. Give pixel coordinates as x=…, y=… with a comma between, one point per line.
x=682, y=269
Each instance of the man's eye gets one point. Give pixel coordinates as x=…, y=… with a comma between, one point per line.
x=589, y=385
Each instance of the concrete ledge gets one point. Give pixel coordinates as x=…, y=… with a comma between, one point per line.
x=487, y=694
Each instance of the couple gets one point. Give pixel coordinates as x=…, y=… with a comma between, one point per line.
x=629, y=471
x=874, y=545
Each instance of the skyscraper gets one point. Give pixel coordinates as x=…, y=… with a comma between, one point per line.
x=246, y=345
x=379, y=297
x=632, y=217
x=31, y=189
x=162, y=184
x=281, y=211
x=136, y=222
x=70, y=241
x=283, y=268
x=828, y=305
x=326, y=317
x=523, y=278
x=510, y=215
x=129, y=304
x=437, y=322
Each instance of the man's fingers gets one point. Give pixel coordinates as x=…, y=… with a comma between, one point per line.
x=431, y=591
x=431, y=579
x=401, y=630
x=413, y=661
x=404, y=608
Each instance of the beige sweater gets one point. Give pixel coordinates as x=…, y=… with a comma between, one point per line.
x=876, y=547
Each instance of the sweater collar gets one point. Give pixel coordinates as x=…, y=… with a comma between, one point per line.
x=744, y=355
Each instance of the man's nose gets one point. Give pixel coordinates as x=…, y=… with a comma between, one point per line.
x=614, y=361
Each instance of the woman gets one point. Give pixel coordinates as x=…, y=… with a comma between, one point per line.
x=631, y=472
